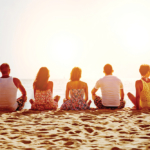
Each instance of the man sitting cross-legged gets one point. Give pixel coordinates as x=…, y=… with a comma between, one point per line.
x=112, y=91
x=8, y=91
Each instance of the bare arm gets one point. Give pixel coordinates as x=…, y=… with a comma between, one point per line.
x=94, y=93
x=18, y=84
x=86, y=92
x=121, y=94
x=67, y=91
x=50, y=86
x=138, y=92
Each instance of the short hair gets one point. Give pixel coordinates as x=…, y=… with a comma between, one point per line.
x=4, y=68
x=144, y=69
x=108, y=69
x=75, y=74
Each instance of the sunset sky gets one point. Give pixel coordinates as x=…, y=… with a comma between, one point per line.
x=62, y=34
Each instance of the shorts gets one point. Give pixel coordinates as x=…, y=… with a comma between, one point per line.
x=98, y=103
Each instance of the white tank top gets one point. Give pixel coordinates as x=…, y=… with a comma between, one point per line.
x=8, y=94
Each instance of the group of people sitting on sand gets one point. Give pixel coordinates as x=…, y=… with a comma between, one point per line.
x=76, y=91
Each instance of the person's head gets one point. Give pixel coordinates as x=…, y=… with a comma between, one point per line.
x=42, y=78
x=5, y=69
x=108, y=70
x=144, y=70
x=75, y=74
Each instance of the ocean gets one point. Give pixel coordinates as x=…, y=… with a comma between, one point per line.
x=60, y=87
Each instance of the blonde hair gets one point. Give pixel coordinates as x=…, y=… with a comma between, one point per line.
x=75, y=74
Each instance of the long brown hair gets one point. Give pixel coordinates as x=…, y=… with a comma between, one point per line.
x=41, y=79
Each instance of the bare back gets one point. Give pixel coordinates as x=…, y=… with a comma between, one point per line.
x=49, y=86
x=77, y=85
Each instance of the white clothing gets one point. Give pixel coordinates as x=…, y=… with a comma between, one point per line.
x=8, y=94
x=110, y=88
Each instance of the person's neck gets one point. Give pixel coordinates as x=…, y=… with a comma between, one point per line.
x=108, y=74
x=5, y=76
x=145, y=78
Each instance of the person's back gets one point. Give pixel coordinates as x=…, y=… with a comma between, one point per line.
x=145, y=95
x=43, y=91
x=110, y=87
x=76, y=92
x=8, y=94
x=77, y=89
x=112, y=90
x=8, y=91
x=142, y=97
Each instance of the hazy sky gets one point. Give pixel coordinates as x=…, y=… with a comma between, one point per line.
x=62, y=34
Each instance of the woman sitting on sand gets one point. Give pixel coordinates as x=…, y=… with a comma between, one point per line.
x=78, y=90
x=43, y=91
x=142, y=98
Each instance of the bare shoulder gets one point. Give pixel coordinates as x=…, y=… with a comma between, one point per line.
x=69, y=83
x=138, y=83
x=84, y=84
x=50, y=84
x=17, y=82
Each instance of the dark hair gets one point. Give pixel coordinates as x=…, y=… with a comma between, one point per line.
x=41, y=79
x=108, y=69
x=4, y=68
x=144, y=69
x=75, y=74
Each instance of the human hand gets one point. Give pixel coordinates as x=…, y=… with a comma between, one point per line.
x=64, y=100
x=24, y=97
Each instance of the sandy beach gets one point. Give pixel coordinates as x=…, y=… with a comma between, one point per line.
x=90, y=129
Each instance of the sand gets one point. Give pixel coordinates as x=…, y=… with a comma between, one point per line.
x=89, y=130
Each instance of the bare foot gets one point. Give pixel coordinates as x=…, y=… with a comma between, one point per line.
x=56, y=98
x=31, y=101
x=89, y=102
x=133, y=108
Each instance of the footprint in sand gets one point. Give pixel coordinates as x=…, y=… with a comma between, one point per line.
x=68, y=143
x=115, y=148
x=99, y=128
x=66, y=128
x=77, y=131
x=90, y=130
x=26, y=141
x=126, y=140
x=14, y=137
